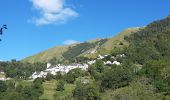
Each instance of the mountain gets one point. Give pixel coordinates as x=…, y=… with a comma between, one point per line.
x=88, y=49
x=144, y=70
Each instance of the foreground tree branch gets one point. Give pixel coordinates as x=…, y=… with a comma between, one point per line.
x=2, y=29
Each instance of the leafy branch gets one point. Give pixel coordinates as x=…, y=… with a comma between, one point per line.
x=2, y=29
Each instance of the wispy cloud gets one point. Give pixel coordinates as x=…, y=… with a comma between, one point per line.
x=69, y=42
x=52, y=12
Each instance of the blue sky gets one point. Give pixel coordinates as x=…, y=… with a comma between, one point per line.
x=37, y=25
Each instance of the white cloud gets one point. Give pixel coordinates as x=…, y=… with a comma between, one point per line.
x=69, y=42
x=52, y=12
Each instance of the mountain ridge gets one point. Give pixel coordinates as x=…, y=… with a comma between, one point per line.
x=97, y=46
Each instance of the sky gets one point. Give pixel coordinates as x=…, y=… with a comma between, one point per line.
x=37, y=25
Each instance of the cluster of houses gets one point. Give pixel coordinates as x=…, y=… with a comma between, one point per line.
x=3, y=78
x=58, y=68
x=107, y=62
x=66, y=68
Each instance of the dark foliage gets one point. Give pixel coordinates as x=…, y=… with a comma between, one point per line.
x=78, y=49
x=86, y=92
x=17, y=69
x=150, y=48
x=60, y=86
x=116, y=77
x=2, y=30
x=3, y=86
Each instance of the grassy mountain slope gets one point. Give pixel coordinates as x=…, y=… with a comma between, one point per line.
x=88, y=49
x=47, y=55
x=113, y=43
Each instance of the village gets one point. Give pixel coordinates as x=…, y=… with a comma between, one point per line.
x=66, y=68
x=63, y=69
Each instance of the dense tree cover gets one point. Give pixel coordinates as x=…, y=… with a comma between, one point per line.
x=17, y=69
x=96, y=69
x=150, y=31
x=78, y=49
x=86, y=92
x=159, y=71
x=39, y=80
x=139, y=89
x=49, y=77
x=12, y=91
x=81, y=59
x=152, y=42
x=58, y=76
x=3, y=86
x=9, y=90
x=71, y=76
x=150, y=48
x=12, y=95
x=116, y=77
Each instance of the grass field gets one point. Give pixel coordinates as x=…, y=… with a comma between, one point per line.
x=48, y=54
x=24, y=83
x=49, y=90
x=67, y=93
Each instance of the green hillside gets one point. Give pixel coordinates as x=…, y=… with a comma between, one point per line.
x=101, y=46
x=113, y=43
x=116, y=40
x=47, y=55
x=144, y=72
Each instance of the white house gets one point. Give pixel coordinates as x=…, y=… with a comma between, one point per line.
x=112, y=63
x=48, y=65
x=91, y=62
x=108, y=62
x=116, y=63
x=121, y=55
x=100, y=57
